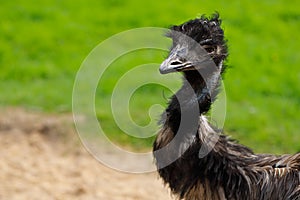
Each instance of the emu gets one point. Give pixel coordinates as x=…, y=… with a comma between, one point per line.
x=194, y=158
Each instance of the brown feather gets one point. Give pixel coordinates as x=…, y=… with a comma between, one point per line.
x=210, y=166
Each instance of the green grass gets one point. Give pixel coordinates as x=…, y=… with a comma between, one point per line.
x=43, y=43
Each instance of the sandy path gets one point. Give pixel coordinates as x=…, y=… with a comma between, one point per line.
x=41, y=158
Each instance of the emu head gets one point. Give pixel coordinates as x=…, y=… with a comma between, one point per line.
x=195, y=43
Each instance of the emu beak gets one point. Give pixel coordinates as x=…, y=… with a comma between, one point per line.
x=170, y=65
x=174, y=63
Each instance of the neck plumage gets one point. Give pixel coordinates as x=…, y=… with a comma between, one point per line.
x=202, y=152
x=193, y=99
x=200, y=148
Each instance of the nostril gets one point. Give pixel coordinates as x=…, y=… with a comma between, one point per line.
x=176, y=63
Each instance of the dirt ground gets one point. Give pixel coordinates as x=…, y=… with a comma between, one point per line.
x=41, y=158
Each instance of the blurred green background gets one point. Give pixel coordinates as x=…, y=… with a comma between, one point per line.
x=43, y=43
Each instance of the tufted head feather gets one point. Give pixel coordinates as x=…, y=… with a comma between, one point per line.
x=204, y=31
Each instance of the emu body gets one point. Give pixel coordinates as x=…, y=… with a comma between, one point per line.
x=228, y=170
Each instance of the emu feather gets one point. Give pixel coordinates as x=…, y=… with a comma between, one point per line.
x=210, y=166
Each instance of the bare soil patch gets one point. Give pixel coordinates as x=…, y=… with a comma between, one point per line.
x=42, y=158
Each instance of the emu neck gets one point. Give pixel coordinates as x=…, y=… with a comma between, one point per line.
x=192, y=94
x=195, y=80
x=191, y=100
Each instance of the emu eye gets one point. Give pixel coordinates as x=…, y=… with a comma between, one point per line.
x=209, y=49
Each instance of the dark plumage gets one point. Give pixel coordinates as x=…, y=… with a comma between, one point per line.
x=210, y=166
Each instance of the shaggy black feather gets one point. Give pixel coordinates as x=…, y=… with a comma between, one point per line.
x=229, y=170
